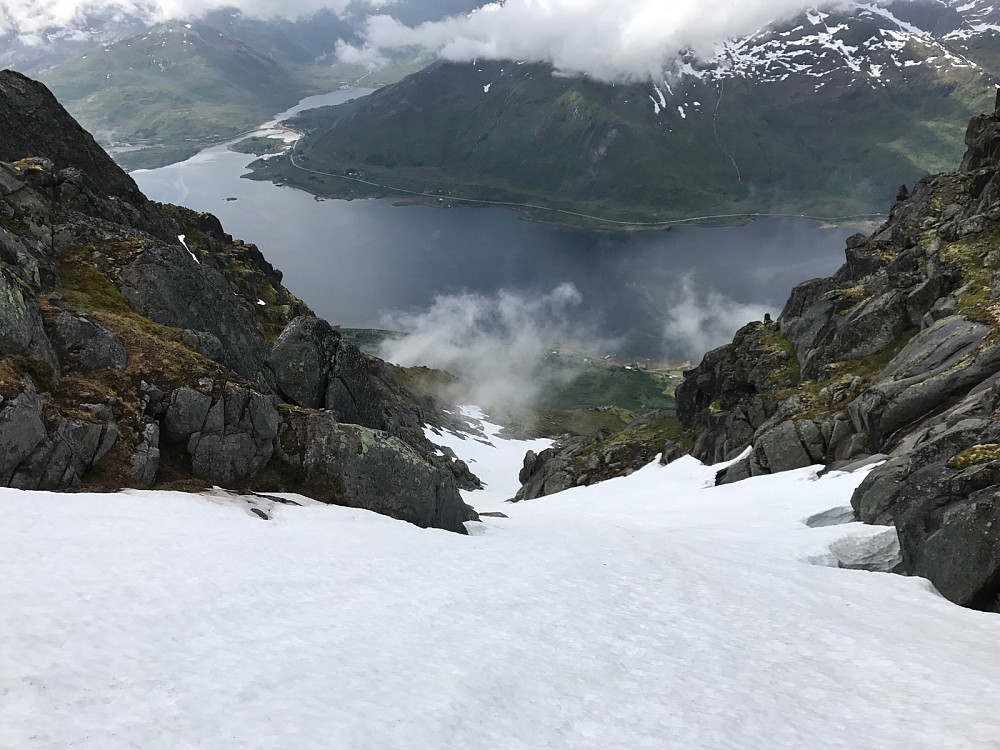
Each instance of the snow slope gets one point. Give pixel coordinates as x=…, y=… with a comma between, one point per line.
x=649, y=612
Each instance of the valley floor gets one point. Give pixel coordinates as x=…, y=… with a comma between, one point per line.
x=652, y=611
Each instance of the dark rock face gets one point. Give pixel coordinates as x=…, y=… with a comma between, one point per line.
x=229, y=438
x=35, y=124
x=22, y=331
x=943, y=361
x=21, y=431
x=167, y=286
x=301, y=359
x=363, y=468
x=62, y=458
x=898, y=354
x=84, y=345
x=315, y=368
x=145, y=458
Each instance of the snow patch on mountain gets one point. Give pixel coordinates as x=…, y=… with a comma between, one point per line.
x=866, y=43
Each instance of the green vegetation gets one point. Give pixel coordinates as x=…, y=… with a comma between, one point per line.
x=572, y=383
x=154, y=350
x=653, y=433
x=977, y=259
x=259, y=146
x=779, y=345
x=578, y=145
x=977, y=454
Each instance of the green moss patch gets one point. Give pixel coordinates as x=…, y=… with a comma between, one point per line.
x=977, y=454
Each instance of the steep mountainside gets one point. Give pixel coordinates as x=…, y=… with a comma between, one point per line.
x=141, y=345
x=175, y=84
x=174, y=87
x=898, y=355
x=821, y=116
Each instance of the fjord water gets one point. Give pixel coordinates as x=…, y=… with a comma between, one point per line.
x=355, y=261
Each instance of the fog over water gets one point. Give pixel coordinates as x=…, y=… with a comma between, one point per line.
x=369, y=263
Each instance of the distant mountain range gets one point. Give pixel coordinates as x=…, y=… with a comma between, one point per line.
x=174, y=87
x=824, y=115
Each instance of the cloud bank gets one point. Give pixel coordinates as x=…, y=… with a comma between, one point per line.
x=698, y=321
x=32, y=17
x=611, y=40
x=494, y=343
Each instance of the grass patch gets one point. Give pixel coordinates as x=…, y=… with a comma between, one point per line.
x=789, y=371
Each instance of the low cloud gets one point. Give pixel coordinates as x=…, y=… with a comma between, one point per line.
x=611, y=40
x=494, y=343
x=29, y=18
x=698, y=320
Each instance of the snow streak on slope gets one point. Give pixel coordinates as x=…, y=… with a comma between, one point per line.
x=648, y=612
x=864, y=43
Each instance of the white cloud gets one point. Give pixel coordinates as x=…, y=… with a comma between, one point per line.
x=698, y=321
x=494, y=343
x=607, y=39
x=28, y=17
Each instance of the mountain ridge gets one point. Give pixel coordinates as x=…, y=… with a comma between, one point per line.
x=806, y=119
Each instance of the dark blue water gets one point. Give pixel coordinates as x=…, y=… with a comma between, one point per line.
x=355, y=261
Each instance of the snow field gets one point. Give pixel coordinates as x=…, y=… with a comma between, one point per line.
x=648, y=612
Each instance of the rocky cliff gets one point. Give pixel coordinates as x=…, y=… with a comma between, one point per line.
x=897, y=356
x=141, y=345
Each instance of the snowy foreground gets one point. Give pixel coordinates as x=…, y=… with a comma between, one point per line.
x=646, y=612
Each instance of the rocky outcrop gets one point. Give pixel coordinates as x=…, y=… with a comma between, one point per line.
x=578, y=461
x=22, y=331
x=364, y=468
x=84, y=345
x=315, y=367
x=34, y=124
x=136, y=348
x=228, y=434
x=898, y=354
x=301, y=359
x=165, y=284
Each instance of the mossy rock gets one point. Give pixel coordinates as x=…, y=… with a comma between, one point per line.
x=977, y=454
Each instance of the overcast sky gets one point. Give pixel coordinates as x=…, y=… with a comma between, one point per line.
x=608, y=39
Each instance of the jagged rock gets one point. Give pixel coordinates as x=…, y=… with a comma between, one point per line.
x=22, y=331
x=62, y=458
x=35, y=124
x=353, y=394
x=351, y=465
x=671, y=452
x=205, y=343
x=581, y=461
x=186, y=414
x=151, y=399
x=828, y=332
x=962, y=558
x=945, y=360
x=237, y=439
x=230, y=438
x=301, y=359
x=145, y=458
x=84, y=345
x=22, y=429
x=548, y=472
